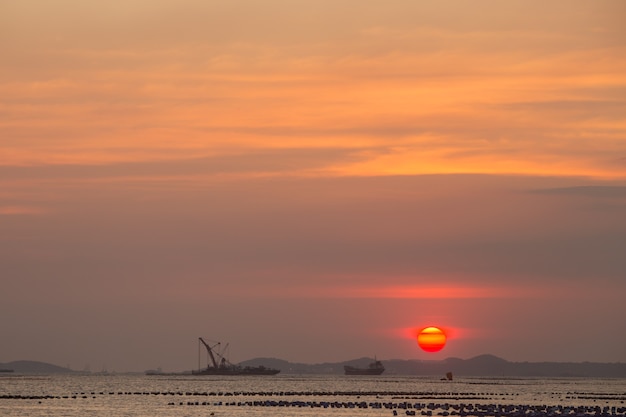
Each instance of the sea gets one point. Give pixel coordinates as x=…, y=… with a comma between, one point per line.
x=114, y=395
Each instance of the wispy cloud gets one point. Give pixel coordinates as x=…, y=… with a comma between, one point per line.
x=390, y=292
x=440, y=96
x=20, y=210
x=598, y=191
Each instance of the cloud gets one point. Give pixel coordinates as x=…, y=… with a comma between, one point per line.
x=76, y=90
x=250, y=162
x=416, y=292
x=594, y=191
x=21, y=210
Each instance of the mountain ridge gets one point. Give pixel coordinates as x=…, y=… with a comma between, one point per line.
x=481, y=365
x=34, y=367
x=485, y=365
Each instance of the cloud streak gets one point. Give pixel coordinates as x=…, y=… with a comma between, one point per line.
x=410, y=292
x=419, y=98
x=20, y=210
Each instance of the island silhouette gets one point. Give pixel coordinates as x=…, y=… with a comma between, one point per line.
x=479, y=366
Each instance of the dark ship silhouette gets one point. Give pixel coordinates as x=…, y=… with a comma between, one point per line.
x=224, y=367
x=374, y=368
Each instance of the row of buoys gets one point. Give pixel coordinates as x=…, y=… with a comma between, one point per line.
x=410, y=408
x=425, y=395
x=395, y=394
x=477, y=410
x=600, y=397
x=283, y=403
x=40, y=397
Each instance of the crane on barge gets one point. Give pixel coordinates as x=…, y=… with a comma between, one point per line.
x=224, y=367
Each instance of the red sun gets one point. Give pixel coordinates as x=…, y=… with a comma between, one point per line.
x=431, y=339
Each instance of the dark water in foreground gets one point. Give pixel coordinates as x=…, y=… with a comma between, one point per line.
x=311, y=395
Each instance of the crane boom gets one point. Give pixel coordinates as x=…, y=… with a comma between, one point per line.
x=210, y=350
x=221, y=366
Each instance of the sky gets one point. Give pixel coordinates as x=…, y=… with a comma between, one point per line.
x=313, y=181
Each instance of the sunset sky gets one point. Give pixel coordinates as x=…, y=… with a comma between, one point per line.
x=311, y=180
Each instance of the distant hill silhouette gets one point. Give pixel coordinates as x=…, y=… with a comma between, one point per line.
x=482, y=365
x=34, y=367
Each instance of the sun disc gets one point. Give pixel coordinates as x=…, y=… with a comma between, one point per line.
x=431, y=339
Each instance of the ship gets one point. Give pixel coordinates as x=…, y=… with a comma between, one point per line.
x=374, y=368
x=223, y=366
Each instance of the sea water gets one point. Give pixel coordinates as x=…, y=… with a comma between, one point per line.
x=305, y=395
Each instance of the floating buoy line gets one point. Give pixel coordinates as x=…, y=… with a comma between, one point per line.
x=403, y=402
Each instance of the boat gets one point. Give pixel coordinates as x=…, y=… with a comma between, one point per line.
x=224, y=367
x=374, y=368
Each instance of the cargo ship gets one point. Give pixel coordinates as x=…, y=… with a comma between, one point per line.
x=374, y=368
x=222, y=366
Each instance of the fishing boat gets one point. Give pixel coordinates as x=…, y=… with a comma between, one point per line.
x=219, y=365
x=374, y=368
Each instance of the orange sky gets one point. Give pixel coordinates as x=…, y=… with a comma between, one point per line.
x=405, y=88
x=360, y=150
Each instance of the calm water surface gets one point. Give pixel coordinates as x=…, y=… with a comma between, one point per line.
x=311, y=395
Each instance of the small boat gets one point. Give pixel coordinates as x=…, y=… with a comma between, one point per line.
x=374, y=368
x=224, y=367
